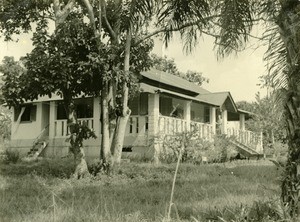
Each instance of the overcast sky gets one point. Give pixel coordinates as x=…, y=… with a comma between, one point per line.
x=239, y=75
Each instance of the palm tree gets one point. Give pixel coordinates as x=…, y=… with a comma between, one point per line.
x=281, y=20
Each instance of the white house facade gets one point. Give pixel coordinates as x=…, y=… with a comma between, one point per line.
x=165, y=105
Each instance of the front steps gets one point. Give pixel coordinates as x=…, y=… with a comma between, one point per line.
x=246, y=150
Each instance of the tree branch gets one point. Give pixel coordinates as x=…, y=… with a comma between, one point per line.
x=61, y=15
x=111, y=31
x=91, y=16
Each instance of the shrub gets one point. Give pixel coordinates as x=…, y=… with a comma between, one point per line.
x=217, y=151
x=193, y=148
x=11, y=156
x=222, y=150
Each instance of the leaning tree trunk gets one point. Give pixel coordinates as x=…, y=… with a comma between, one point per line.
x=289, y=27
x=123, y=119
x=81, y=169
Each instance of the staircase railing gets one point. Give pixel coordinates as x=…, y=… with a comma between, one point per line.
x=42, y=134
x=248, y=138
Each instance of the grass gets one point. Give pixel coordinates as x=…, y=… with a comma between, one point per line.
x=44, y=191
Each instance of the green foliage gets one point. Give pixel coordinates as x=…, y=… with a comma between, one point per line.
x=17, y=16
x=12, y=91
x=216, y=151
x=59, y=63
x=10, y=156
x=5, y=123
x=79, y=134
x=268, y=117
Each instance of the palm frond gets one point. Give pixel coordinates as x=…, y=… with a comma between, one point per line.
x=235, y=24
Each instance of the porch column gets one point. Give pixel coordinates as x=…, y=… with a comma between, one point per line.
x=39, y=115
x=212, y=118
x=153, y=121
x=224, y=121
x=52, y=117
x=242, y=121
x=96, y=115
x=187, y=114
x=153, y=110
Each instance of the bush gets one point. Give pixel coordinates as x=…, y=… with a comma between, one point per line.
x=222, y=150
x=193, y=148
x=10, y=156
x=217, y=151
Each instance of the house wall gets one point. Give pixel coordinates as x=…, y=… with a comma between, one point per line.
x=24, y=133
x=27, y=130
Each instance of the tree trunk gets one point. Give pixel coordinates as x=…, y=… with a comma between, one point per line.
x=290, y=184
x=105, y=154
x=123, y=119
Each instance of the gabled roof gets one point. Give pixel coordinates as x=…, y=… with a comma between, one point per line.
x=165, y=80
x=219, y=99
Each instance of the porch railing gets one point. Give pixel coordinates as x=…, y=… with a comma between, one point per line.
x=61, y=128
x=202, y=130
x=170, y=126
x=137, y=124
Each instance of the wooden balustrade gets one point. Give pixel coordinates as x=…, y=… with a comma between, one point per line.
x=137, y=124
x=202, y=130
x=61, y=128
x=170, y=126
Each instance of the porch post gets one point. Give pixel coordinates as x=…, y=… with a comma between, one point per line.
x=96, y=115
x=52, y=117
x=187, y=114
x=153, y=121
x=242, y=121
x=224, y=121
x=212, y=118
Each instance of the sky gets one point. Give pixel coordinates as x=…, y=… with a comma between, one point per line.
x=237, y=74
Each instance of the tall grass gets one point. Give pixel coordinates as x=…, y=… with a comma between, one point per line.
x=44, y=191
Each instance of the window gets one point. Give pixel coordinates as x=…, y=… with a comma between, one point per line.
x=165, y=106
x=139, y=104
x=61, y=111
x=84, y=109
x=28, y=115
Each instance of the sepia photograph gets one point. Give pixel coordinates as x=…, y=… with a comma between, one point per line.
x=149, y=110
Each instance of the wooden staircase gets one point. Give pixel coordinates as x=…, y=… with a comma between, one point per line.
x=245, y=150
x=38, y=146
x=37, y=149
